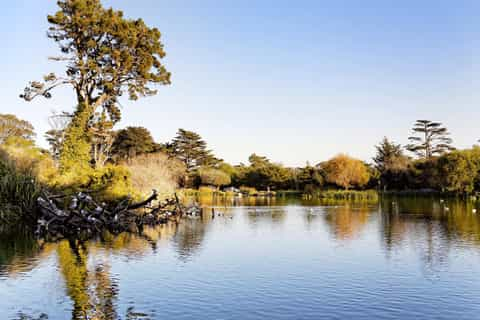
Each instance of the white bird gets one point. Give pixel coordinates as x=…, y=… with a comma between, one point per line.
x=442, y=201
x=474, y=210
x=446, y=208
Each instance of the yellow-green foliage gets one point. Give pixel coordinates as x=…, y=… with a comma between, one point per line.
x=18, y=192
x=29, y=159
x=75, y=154
x=248, y=190
x=109, y=183
x=155, y=171
x=367, y=195
x=113, y=183
x=213, y=177
x=205, y=190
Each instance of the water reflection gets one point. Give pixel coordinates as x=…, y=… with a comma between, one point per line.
x=258, y=216
x=422, y=231
x=189, y=236
x=347, y=221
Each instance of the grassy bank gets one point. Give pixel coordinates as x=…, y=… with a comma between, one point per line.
x=370, y=195
x=354, y=195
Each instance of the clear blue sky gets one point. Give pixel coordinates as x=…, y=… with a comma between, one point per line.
x=296, y=81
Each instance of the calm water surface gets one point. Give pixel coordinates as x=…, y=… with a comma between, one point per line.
x=276, y=259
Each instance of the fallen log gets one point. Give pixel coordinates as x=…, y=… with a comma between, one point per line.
x=83, y=217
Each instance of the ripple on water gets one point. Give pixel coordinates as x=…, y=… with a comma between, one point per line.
x=280, y=262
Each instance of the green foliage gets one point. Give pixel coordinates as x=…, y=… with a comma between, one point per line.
x=18, y=192
x=106, y=55
x=458, y=171
x=309, y=178
x=230, y=170
x=55, y=140
x=29, y=159
x=354, y=195
x=213, y=177
x=112, y=183
x=11, y=126
x=131, y=142
x=75, y=151
x=263, y=174
x=248, y=190
x=391, y=164
x=191, y=149
x=109, y=183
x=205, y=190
x=433, y=139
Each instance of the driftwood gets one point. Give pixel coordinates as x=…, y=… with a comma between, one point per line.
x=81, y=216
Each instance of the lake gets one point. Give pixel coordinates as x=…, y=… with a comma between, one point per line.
x=399, y=258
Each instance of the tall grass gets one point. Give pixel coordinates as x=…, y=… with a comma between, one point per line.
x=18, y=194
x=353, y=195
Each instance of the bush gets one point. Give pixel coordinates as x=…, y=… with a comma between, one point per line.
x=248, y=190
x=28, y=159
x=205, y=190
x=213, y=177
x=155, y=171
x=346, y=172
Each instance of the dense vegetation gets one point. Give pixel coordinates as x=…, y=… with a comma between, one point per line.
x=106, y=56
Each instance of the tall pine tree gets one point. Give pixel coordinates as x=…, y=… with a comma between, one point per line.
x=429, y=139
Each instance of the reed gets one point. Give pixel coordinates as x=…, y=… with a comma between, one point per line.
x=18, y=194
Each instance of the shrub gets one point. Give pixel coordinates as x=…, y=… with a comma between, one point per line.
x=213, y=177
x=248, y=190
x=346, y=172
x=205, y=190
x=28, y=159
x=155, y=171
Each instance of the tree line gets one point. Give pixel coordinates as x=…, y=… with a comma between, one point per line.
x=107, y=56
x=434, y=163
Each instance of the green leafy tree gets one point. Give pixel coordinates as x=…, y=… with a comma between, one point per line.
x=191, y=149
x=213, y=177
x=458, y=171
x=56, y=135
x=309, y=178
x=106, y=55
x=263, y=174
x=55, y=140
x=11, y=126
x=429, y=139
x=391, y=164
x=131, y=142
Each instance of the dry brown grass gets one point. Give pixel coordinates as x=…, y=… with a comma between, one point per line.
x=155, y=171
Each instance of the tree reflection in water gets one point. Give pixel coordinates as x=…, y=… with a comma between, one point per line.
x=422, y=227
x=86, y=272
x=348, y=220
x=432, y=226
